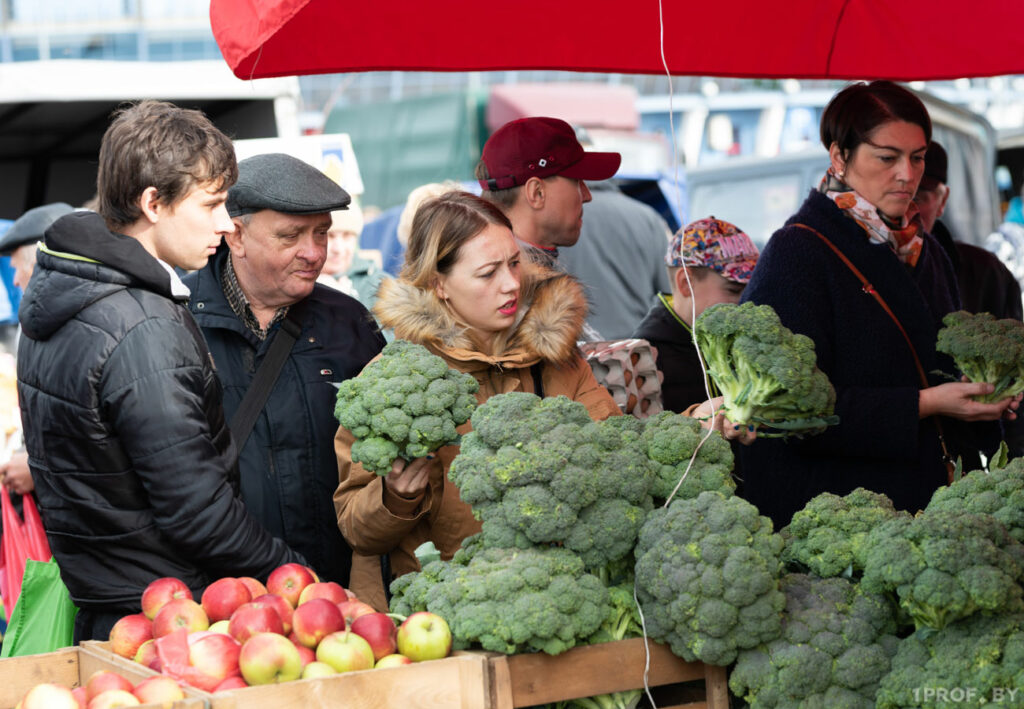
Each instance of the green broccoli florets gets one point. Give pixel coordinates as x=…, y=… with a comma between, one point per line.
x=944, y=566
x=707, y=575
x=670, y=439
x=836, y=645
x=509, y=600
x=985, y=350
x=999, y=493
x=405, y=404
x=978, y=661
x=768, y=375
x=540, y=471
x=827, y=536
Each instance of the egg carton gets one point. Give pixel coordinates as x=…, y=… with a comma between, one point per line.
x=628, y=370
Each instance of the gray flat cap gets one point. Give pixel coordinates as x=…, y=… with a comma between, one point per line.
x=31, y=225
x=285, y=184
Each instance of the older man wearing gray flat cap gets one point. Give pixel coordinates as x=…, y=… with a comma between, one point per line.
x=280, y=342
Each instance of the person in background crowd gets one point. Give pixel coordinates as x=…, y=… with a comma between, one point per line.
x=345, y=269
x=719, y=260
x=259, y=289
x=986, y=284
x=534, y=169
x=889, y=436
x=133, y=463
x=20, y=243
x=620, y=266
x=466, y=295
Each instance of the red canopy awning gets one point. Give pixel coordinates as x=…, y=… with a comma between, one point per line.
x=847, y=39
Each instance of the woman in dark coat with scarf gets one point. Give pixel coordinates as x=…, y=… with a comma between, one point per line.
x=888, y=437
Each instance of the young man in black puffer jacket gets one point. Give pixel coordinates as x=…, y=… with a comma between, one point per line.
x=134, y=467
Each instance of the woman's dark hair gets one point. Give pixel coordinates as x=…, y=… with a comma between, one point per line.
x=856, y=111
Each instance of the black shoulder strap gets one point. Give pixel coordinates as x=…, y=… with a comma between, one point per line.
x=263, y=382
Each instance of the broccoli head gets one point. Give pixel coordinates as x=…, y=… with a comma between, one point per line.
x=768, y=375
x=670, y=439
x=836, y=645
x=509, y=600
x=945, y=565
x=707, y=576
x=982, y=655
x=827, y=536
x=405, y=404
x=985, y=350
x=540, y=471
x=999, y=493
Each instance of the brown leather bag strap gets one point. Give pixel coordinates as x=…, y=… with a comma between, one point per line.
x=870, y=290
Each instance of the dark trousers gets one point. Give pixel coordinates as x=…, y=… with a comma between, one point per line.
x=95, y=624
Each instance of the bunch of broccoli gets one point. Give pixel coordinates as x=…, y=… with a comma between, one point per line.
x=986, y=350
x=999, y=493
x=405, y=404
x=707, y=576
x=768, y=375
x=978, y=661
x=508, y=600
x=540, y=471
x=669, y=440
x=827, y=537
x=945, y=565
x=837, y=644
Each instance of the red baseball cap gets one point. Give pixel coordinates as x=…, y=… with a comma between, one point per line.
x=541, y=147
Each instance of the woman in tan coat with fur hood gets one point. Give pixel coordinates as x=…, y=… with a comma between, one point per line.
x=464, y=294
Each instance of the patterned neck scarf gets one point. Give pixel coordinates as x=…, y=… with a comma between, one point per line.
x=904, y=238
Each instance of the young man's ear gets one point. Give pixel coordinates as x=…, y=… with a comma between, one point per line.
x=150, y=205
x=682, y=287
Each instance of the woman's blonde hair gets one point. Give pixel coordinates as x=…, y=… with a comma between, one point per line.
x=439, y=229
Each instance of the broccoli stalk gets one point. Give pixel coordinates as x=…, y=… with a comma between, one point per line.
x=768, y=375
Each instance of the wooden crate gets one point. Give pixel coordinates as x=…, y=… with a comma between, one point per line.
x=456, y=682
x=529, y=679
x=70, y=667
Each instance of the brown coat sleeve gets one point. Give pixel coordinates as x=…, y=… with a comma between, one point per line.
x=588, y=391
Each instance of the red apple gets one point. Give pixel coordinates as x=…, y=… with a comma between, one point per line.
x=314, y=620
x=113, y=698
x=160, y=592
x=317, y=669
x=222, y=597
x=215, y=658
x=256, y=587
x=269, y=658
x=252, y=618
x=156, y=690
x=103, y=680
x=283, y=608
x=48, y=695
x=379, y=630
x=345, y=652
x=333, y=592
x=306, y=654
x=230, y=683
x=128, y=634
x=288, y=580
x=353, y=609
x=180, y=613
x=147, y=655
x=394, y=660
x=424, y=636
x=79, y=694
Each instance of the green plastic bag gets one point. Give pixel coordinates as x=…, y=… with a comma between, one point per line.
x=44, y=617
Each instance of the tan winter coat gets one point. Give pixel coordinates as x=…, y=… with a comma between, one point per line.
x=373, y=520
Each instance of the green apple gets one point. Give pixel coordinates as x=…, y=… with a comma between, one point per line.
x=318, y=669
x=345, y=652
x=424, y=636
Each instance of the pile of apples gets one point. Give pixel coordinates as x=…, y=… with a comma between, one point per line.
x=103, y=690
x=244, y=633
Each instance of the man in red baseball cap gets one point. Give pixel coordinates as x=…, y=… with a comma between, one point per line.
x=533, y=169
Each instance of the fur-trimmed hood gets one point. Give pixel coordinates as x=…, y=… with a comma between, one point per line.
x=550, y=320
